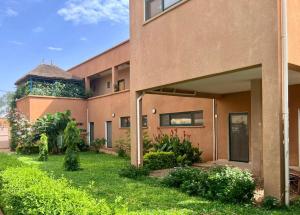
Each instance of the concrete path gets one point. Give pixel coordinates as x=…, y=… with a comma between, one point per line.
x=1, y=213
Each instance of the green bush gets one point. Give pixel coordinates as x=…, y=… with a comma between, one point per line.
x=27, y=149
x=134, y=172
x=43, y=148
x=159, y=160
x=185, y=153
x=72, y=139
x=31, y=191
x=270, y=202
x=98, y=143
x=7, y=160
x=123, y=145
x=221, y=183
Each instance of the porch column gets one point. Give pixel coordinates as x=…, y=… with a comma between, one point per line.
x=272, y=130
x=136, y=128
x=87, y=84
x=256, y=127
x=114, y=77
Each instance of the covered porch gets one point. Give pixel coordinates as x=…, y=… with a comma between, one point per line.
x=247, y=120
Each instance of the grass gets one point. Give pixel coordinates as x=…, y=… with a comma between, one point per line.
x=99, y=176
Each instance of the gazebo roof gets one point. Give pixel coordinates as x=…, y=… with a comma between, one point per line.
x=45, y=71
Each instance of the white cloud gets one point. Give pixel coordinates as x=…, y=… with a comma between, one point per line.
x=51, y=48
x=17, y=43
x=38, y=29
x=94, y=11
x=11, y=13
x=83, y=39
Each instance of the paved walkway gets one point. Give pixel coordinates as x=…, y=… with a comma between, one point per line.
x=4, y=140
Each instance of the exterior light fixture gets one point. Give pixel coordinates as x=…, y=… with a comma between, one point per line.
x=154, y=111
x=113, y=115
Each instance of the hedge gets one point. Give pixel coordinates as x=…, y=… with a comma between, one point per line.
x=159, y=160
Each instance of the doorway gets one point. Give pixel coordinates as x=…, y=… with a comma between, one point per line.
x=238, y=137
x=108, y=134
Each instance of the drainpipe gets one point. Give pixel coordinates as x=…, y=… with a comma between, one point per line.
x=214, y=131
x=139, y=130
x=285, y=99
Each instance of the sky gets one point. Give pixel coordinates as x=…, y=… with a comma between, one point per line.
x=64, y=32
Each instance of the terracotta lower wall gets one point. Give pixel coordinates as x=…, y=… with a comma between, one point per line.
x=36, y=106
x=102, y=108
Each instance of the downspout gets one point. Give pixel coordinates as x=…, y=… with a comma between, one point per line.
x=214, y=131
x=285, y=99
x=139, y=131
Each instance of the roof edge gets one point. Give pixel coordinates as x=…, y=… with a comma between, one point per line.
x=98, y=55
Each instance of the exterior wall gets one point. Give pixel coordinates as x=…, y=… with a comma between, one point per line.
x=294, y=31
x=101, y=85
x=294, y=103
x=124, y=74
x=106, y=60
x=118, y=104
x=35, y=107
x=247, y=39
x=231, y=103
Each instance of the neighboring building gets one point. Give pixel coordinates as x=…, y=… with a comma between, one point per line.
x=227, y=50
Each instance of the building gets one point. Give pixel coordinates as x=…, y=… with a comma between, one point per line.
x=230, y=51
x=211, y=68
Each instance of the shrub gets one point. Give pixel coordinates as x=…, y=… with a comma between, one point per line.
x=185, y=153
x=134, y=172
x=230, y=184
x=159, y=160
x=31, y=191
x=72, y=139
x=98, y=143
x=27, y=149
x=123, y=145
x=270, y=202
x=221, y=183
x=43, y=148
x=7, y=161
x=82, y=146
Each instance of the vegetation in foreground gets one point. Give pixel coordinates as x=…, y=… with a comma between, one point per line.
x=100, y=179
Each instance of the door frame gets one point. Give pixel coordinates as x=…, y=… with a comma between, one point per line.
x=229, y=135
x=106, y=133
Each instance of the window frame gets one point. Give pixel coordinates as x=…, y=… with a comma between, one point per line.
x=119, y=82
x=192, y=124
x=123, y=117
x=143, y=117
x=163, y=9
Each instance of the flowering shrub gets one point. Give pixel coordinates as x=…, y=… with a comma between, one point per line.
x=21, y=131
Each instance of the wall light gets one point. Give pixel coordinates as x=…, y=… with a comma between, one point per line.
x=113, y=115
x=154, y=111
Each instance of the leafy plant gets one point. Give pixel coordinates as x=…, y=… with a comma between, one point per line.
x=270, y=202
x=53, y=125
x=8, y=161
x=98, y=143
x=72, y=139
x=159, y=160
x=185, y=153
x=123, y=145
x=221, y=183
x=40, y=194
x=134, y=172
x=147, y=143
x=43, y=148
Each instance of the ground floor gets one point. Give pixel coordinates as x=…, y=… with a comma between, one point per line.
x=103, y=182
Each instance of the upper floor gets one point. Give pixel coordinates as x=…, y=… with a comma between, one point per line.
x=178, y=40
x=106, y=73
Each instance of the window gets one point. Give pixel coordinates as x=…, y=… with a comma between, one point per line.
x=121, y=85
x=108, y=84
x=125, y=122
x=154, y=7
x=145, y=121
x=182, y=119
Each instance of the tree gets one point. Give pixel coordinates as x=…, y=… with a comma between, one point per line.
x=71, y=140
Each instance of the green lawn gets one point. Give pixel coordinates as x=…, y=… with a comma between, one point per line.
x=100, y=177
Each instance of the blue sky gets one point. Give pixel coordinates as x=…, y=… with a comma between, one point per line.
x=65, y=32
